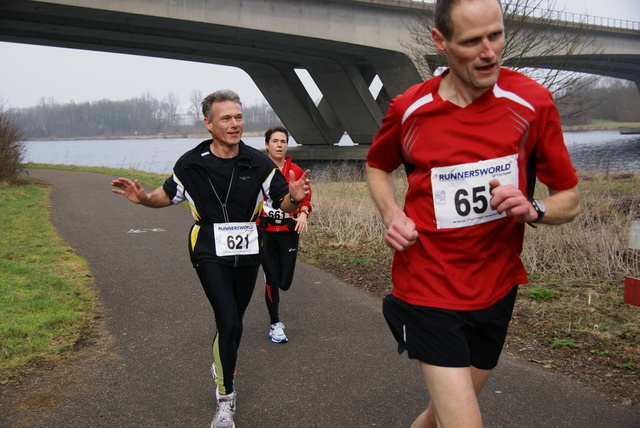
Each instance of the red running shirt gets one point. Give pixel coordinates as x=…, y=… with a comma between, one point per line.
x=472, y=266
x=274, y=219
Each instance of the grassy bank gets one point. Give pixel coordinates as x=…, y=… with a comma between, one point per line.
x=601, y=125
x=46, y=298
x=571, y=319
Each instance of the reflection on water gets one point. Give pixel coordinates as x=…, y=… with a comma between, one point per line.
x=152, y=155
x=602, y=151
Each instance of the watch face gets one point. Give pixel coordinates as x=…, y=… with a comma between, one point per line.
x=538, y=205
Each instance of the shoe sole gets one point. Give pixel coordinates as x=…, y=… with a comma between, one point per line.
x=233, y=425
x=278, y=341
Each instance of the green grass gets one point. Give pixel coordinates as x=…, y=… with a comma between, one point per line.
x=46, y=300
x=564, y=343
x=149, y=179
x=542, y=293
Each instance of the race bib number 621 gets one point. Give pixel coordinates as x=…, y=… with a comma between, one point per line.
x=461, y=193
x=233, y=239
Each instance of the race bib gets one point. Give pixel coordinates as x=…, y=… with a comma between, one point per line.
x=234, y=239
x=271, y=212
x=461, y=193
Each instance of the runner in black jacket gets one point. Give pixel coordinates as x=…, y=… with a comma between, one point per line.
x=225, y=183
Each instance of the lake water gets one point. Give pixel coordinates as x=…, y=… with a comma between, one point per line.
x=603, y=151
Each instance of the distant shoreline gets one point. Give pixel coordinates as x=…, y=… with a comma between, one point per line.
x=602, y=126
x=202, y=136
x=598, y=126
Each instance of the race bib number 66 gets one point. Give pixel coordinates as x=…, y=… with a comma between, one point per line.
x=461, y=193
x=234, y=239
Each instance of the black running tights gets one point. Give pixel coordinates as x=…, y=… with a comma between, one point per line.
x=229, y=291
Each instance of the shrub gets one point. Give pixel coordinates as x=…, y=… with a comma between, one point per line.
x=564, y=343
x=542, y=293
x=593, y=248
x=11, y=147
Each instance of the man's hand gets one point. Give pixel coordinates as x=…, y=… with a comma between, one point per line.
x=510, y=200
x=132, y=190
x=401, y=233
x=401, y=230
x=299, y=189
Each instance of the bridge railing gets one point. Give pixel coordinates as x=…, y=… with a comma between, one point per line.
x=578, y=18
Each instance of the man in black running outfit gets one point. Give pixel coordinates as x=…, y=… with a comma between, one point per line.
x=225, y=182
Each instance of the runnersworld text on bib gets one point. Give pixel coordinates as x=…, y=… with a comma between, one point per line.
x=461, y=193
x=233, y=239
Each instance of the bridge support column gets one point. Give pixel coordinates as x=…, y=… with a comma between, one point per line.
x=397, y=73
x=290, y=100
x=347, y=93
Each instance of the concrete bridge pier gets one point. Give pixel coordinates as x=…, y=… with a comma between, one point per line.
x=308, y=156
x=347, y=93
x=347, y=103
x=284, y=91
x=396, y=71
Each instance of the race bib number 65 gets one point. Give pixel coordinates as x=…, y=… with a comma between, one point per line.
x=234, y=239
x=461, y=193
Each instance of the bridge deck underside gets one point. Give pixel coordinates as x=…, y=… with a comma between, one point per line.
x=342, y=71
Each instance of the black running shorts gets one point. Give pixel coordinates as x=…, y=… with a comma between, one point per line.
x=448, y=338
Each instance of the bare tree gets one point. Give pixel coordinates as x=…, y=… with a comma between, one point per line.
x=614, y=99
x=196, y=100
x=169, y=108
x=534, y=45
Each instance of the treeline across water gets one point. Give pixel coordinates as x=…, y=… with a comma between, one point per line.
x=606, y=99
x=144, y=115
x=603, y=99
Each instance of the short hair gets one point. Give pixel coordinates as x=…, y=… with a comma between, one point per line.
x=442, y=16
x=217, y=97
x=277, y=128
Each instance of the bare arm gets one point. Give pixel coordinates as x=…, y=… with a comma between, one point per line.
x=401, y=230
x=133, y=191
x=561, y=206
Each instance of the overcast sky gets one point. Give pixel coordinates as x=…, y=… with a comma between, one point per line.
x=29, y=72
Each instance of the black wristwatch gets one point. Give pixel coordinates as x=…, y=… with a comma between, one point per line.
x=294, y=202
x=539, y=207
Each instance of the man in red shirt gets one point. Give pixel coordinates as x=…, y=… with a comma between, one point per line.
x=467, y=139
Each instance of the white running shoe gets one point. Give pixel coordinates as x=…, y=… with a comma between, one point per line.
x=276, y=334
x=225, y=412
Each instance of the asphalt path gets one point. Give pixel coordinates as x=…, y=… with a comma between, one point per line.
x=339, y=369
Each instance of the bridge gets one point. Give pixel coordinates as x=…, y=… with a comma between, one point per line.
x=343, y=44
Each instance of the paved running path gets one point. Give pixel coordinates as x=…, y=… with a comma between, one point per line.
x=340, y=368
